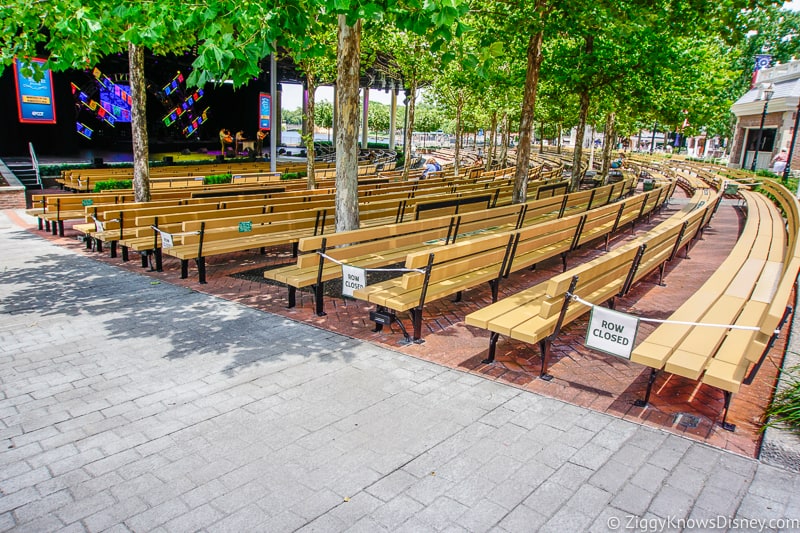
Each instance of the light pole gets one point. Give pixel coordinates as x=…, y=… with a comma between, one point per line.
x=766, y=94
x=788, y=167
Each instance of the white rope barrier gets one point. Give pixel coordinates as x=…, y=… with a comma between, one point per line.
x=332, y=260
x=175, y=234
x=576, y=298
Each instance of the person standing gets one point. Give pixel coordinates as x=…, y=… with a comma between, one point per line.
x=260, y=136
x=779, y=162
x=239, y=143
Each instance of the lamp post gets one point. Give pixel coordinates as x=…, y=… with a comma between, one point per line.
x=788, y=167
x=766, y=94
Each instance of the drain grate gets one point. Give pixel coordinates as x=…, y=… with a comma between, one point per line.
x=686, y=420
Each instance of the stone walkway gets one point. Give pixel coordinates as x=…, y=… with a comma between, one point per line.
x=130, y=404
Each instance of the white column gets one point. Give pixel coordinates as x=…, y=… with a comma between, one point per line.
x=335, y=107
x=273, y=90
x=365, y=119
x=392, y=119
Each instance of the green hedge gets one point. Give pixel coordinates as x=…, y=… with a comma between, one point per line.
x=216, y=179
x=293, y=175
x=101, y=186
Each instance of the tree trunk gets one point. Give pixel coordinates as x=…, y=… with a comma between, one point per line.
x=504, y=145
x=526, y=118
x=308, y=138
x=578, y=153
x=541, y=138
x=141, y=154
x=411, y=96
x=459, y=110
x=493, y=139
x=348, y=66
x=560, y=136
x=584, y=113
x=608, y=145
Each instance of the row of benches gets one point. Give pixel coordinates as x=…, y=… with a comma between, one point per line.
x=320, y=257
x=536, y=315
x=210, y=232
x=749, y=291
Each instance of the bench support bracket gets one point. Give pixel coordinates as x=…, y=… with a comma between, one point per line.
x=319, y=286
x=493, y=338
x=201, y=269
x=546, y=343
x=644, y=401
x=727, y=426
x=383, y=317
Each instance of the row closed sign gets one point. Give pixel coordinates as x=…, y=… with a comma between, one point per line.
x=353, y=278
x=611, y=332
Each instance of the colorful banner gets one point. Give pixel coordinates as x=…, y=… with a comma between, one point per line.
x=265, y=110
x=34, y=98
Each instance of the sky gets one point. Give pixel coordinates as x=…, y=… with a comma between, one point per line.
x=292, y=96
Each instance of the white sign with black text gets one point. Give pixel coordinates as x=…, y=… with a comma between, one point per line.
x=166, y=240
x=611, y=332
x=353, y=278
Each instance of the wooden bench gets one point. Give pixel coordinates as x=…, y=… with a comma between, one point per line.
x=384, y=246
x=448, y=270
x=198, y=243
x=536, y=315
x=750, y=291
x=123, y=222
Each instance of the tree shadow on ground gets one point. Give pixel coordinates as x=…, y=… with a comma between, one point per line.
x=137, y=308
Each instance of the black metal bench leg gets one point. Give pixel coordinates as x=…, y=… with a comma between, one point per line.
x=41, y=225
x=201, y=269
x=159, y=260
x=544, y=346
x=113, y=249
x=88, y=242
x=318, y=299
x=54, y=228
x=652, y=379
x=564, y=262
x=144, y=255
x=99, y=246
x=60, y=228
x=416, y=319
x=292, y=297
x=493, y=338
x=184, y=268
x=47, y=225
x=294, y=249
x=124, y=253
x=727, y=426
x=661, y=269
x=458, y=295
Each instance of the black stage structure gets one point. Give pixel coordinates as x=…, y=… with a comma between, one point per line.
x=75, y=90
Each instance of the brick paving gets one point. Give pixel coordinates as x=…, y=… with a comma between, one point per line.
x=582, y=377
x=139, y=403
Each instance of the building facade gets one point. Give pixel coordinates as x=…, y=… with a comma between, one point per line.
x=765, y=118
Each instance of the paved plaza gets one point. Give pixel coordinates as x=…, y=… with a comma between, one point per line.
x=131, y=404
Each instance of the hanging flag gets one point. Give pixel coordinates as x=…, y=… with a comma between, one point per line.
x=762, y=61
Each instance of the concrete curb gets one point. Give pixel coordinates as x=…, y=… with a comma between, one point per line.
x=781, y=447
